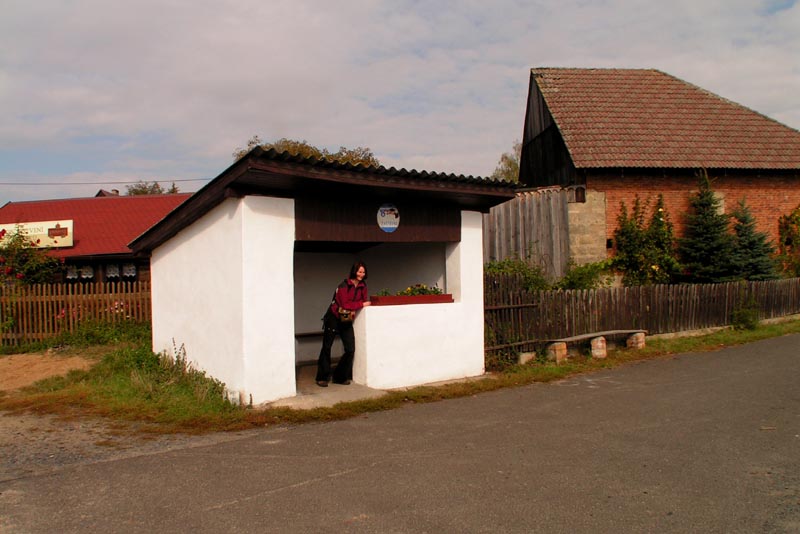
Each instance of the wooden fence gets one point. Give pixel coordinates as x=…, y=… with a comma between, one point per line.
x=33, y=313
x=520, y=320
x=534, y=227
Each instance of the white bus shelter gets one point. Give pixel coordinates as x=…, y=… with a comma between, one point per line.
x=243, y=270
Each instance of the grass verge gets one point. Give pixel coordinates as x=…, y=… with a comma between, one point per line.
x=130, y=383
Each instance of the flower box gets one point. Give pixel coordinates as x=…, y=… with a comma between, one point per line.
x=393, y=300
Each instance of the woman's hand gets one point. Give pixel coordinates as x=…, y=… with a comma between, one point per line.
x=366, y=303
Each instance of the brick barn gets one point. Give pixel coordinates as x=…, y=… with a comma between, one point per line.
x=608, y=135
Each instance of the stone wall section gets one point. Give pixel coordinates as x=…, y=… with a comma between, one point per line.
x=587, y=228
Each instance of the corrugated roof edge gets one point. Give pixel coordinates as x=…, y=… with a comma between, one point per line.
x=213, y=192
x=272, y=154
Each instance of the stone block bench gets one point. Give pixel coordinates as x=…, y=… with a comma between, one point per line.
x=557, y=348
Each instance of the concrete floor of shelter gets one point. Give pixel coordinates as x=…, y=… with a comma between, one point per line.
x=310, y=395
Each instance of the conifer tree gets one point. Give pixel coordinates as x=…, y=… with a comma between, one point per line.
x=663, y=266
x=706, y=250
x=630, y=241
x=752, y=251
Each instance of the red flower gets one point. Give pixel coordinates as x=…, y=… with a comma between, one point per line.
x=2, y=260
x=9, y=270
x=20, y=276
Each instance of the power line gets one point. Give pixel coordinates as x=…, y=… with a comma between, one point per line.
x=103, y=183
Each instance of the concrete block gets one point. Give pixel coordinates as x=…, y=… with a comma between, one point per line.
x=525, y=357
x=599, y=347
x=557, y=351
x=635, y=341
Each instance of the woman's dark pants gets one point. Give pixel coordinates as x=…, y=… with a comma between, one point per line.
x=344, y=369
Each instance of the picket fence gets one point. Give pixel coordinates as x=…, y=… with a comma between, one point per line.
x=518, y=320
x=33, y=313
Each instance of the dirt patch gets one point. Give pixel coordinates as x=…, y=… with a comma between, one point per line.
x=20, y=370
x=35, y=443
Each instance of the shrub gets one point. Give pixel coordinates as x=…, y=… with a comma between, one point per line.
x=586, y=276
x=789, y=242
x=533, y=276
x=21, y=262
x=645, y=253
x=745, y=314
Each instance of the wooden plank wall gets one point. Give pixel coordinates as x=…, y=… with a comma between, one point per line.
x=34, y=313
x=521, y=320
x=533, y=227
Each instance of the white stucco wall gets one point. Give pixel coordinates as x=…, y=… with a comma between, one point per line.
x=233, y=292
x=222, y=288
x=407, y=345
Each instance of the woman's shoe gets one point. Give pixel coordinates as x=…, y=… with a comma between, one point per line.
x=322, y=383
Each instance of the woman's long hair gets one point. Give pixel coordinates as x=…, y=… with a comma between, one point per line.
x=356, y=266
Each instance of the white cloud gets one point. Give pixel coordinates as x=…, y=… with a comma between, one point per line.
x=145, y=89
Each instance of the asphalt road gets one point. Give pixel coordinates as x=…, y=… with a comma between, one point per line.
x=697, y=443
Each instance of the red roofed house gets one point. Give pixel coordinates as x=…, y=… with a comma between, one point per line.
x=102, y=227
x=612, y=134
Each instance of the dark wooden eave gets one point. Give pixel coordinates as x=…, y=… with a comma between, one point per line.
x=281, y=174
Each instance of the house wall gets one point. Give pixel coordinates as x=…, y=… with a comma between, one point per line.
x=769, y=195
x=400, y=346
x=221, y=288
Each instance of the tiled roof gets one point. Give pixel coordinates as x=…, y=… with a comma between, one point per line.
x=646, y=118
x=102, y=225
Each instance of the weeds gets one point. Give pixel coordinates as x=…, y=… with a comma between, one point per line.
x=87, y=334
x=745, y=314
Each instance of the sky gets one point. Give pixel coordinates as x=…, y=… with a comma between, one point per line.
x=99, y=94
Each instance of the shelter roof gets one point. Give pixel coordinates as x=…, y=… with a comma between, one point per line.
x=648, y=119
x=102, y=225
x=281, y=174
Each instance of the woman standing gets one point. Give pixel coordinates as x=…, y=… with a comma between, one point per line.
x=351, y=295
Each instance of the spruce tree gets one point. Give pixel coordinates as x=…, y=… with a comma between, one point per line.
x=706, y=250
x=752, y=251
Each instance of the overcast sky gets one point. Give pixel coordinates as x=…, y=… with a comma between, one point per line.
x=105, y=92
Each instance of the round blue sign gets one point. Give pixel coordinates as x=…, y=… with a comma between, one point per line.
x=388, y=218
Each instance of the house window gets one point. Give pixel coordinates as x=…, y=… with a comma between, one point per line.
x=87, y=272
x=112, y=271
x=129, y=270
x=72, y=272
x=576, y=194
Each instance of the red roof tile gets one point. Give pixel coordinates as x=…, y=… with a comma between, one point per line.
x=646, y=118
x=102, y=225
